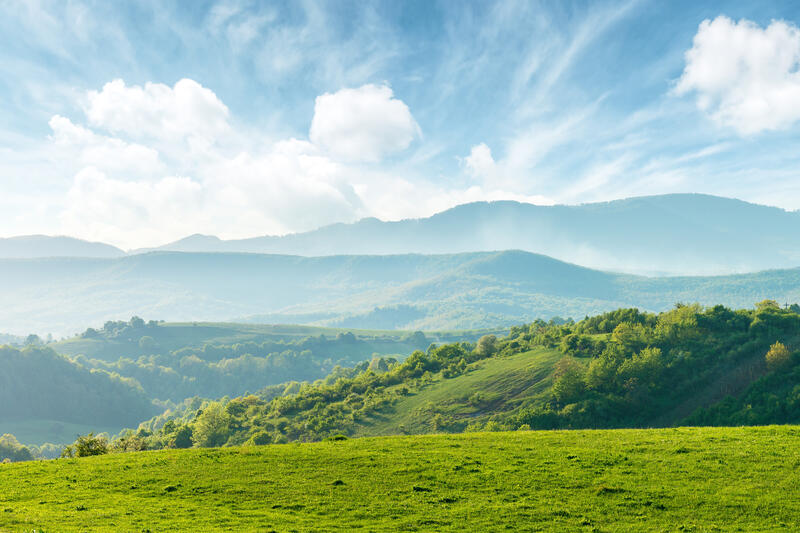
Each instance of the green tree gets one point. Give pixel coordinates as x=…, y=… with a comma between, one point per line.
x=777, y=357
x=33, y=340
x=768, y=305
x=487, y=346
x=147, y=343
x=568, y=383
x=182, y=438
x=11, y=449
x=86, y=446
x=212, y=426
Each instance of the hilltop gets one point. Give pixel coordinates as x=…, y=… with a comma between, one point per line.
x=30, y=246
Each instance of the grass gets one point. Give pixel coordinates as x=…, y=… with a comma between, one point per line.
x=687, y=479
x=502, y=381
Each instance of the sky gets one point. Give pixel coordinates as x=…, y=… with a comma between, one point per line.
x=138, y=123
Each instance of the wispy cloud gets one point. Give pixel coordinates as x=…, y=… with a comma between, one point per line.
x=212, y=107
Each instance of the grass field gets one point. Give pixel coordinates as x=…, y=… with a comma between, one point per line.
x=686, y=479
x=174, y=335
x=503, y=382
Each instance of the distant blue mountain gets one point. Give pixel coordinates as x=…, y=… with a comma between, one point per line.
x=30, y=246
x=413, y=291
x=669, y=234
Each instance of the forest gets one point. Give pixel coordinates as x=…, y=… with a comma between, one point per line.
x=623, y=369
x=627, y=368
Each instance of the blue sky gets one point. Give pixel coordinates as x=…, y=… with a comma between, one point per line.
x=138, y=123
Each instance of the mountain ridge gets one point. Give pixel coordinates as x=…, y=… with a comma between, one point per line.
x=674, y=234
x=411, y=291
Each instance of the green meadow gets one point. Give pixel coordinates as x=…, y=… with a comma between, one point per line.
x=679, y=479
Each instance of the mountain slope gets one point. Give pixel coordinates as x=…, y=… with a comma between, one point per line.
x=675, y=234
x=437, y=292
x=30, y=246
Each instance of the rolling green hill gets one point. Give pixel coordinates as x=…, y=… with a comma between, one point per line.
x=172, y=362
x=491, y=386
x=408, y=292
x=169, y=336
x=620, y=369
x=687, y=479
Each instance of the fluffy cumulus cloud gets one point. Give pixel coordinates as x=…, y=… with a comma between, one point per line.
x=106, y=153
x=363, y=124
x=124, y=192
x=480, y=162
x=185, y=111
x=745, y=76
x=130, y=212
x=137, y=179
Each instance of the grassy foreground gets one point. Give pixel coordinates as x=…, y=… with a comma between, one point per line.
x=706, y=479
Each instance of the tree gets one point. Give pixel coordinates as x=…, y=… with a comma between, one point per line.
x=418, y=339
x=212, y=426
x=768, y=305
x=33, y=340
x=12, y=450
x=136, y=322
x=487, y=346
x=568, y=385
x=182, y=438
x=147, y=343
x=777, y=357
x=86, y=446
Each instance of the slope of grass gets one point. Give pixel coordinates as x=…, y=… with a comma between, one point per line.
x=690, y=479
x=174, y=335
x=500, y=383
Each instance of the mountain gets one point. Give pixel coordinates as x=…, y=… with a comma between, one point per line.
x=431, y=292
x=30, y=246
x=669, y=234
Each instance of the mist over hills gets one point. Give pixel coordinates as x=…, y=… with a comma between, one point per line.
x=676, y=234
x=29, y=246
x=447, y=291
x=670, y=234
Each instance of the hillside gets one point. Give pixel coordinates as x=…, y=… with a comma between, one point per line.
x=31, y=246
x=621, y=369
x=169, y=362
x=50, y=398
x=408, y=292
x=668, y=234
x=618, y=480
x=122, y=340
x=178, y=361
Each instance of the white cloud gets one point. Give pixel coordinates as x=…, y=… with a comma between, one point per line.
x=744, y=76
x=132, y=195
x=480, y=162
x=363, y=124
x=186, y=111
x=130, y=213
x=106, y=153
